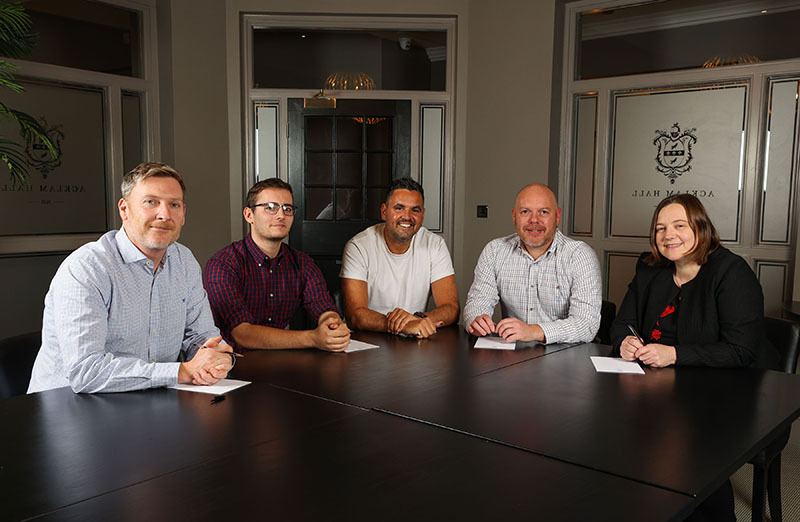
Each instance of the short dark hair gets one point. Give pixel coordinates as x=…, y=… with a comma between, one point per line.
x=255, y=190
x=148, y=169
x=706, y=239
x=405, y=184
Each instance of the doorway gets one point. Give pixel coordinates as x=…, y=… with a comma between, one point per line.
x=341, y=162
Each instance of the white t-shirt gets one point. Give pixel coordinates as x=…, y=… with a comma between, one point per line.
x=396, y=280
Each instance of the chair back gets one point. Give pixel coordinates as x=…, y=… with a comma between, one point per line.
x=785, y=337
x=338, y=300
x=608, y=311
x=17, y=355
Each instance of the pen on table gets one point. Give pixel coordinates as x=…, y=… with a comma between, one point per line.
x=636, y=334
x=217, y=398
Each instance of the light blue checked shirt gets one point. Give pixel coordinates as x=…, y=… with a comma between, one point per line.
x=560, y=291
x=110, y=324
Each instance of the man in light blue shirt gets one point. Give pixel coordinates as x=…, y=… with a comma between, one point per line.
x=120, y=310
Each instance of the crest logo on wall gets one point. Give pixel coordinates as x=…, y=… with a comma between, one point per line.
x=37, y=153
x=674, y=156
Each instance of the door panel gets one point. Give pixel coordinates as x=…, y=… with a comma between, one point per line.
x=341, y=163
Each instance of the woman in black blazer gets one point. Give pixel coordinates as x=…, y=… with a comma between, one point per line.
x=695, y=303
x=692, y=301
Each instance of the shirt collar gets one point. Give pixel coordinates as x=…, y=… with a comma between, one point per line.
x=558, y=240
x=259, y=254
x=129, y=252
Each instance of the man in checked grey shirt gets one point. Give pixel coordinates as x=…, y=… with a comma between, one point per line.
x=121, y=309
x=549, y=285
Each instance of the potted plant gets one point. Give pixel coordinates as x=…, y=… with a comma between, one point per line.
x=16, y=41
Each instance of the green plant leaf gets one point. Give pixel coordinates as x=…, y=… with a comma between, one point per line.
x=16, y=41
x=15, y=161
x=16, y=38
x=32, y=129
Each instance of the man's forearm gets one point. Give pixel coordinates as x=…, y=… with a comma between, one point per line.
x=573, y=329
x=258, y=337
x=99, y=373
x=366, y=319
x=447, y=314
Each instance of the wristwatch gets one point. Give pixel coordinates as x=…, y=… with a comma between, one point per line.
x=421, y=314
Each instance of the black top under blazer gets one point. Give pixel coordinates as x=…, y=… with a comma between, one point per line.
x=720, y=317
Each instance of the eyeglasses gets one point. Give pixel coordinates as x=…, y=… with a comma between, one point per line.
x=272, y=207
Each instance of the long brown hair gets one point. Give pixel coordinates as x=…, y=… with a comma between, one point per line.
x=706, y=239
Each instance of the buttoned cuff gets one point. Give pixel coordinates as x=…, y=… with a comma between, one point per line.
x=552, y=334
x=165, y=374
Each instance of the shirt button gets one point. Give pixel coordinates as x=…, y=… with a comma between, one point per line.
x=154, y=359
x=272, y=295
x=270, y=271
x=155, y=332
x=259, y=264
x=269, y=318
x=531, y=309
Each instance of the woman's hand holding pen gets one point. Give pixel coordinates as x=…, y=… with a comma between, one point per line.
x=657, y=355
x=653, y=354
x=630, y=347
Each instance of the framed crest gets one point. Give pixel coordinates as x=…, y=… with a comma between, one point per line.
x=64, y=195
x=677, y=140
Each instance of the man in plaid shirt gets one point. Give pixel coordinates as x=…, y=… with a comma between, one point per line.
x=549, y=285
x=255, y=285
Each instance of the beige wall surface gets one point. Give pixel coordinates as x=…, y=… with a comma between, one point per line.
x=502, y=113
x=195, y=136
x=508, y=117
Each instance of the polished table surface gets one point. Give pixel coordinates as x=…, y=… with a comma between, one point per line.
x=399, y=368
x=269, y=453
x=424, y=429
x=683, y=429
x=686, y=429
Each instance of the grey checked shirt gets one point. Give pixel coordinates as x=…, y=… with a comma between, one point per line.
x=111, y=324
x=560, y=291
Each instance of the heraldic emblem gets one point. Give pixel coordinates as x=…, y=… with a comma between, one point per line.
x=38, y=156
x=674, y=155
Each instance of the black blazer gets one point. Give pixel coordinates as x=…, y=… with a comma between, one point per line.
x=720, y=318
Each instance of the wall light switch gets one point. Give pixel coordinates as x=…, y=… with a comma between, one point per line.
x=483, y=211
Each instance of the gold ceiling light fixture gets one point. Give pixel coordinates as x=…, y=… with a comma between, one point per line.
x=722, y=61
x=370, y=120
x=353, y=81
x=349, y=81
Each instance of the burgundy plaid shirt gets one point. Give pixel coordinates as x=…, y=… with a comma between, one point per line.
x=245, y=286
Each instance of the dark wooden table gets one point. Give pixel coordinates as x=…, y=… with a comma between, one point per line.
x=268, y=453
x=414, y=429
x=373, y=378
x=684, y=429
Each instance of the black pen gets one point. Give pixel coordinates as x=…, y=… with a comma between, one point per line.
x=218, y=398
x=636, y=334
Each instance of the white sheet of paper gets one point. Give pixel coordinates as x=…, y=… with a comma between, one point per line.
x=495, y=343
x=357, y=346
x=616, y=365
x=222, y=387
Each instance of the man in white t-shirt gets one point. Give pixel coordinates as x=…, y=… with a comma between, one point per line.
x=390, y=269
